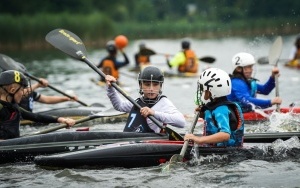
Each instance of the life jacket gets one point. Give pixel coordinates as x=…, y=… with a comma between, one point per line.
x=27, y=102
x=10, y=127
x=190, y=64
x=236, y=120
x=109, y=68
x=136, y=122
x=252, y=83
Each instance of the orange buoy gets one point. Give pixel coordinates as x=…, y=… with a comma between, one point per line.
x=121, y=41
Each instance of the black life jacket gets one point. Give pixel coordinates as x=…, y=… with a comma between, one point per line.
x=235, y=119
x=136, y=122
x=10, y=127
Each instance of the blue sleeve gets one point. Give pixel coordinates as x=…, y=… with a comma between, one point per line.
x=120, y=64
x=266, y=88
x=241, y=93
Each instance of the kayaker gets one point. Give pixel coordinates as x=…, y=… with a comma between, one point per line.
x=30, y=95
x=224, y=122
x=185, y=60
x=245, y=88
x=141, y=59
x=295, y=54
x=152, y=101
x=12, y=84
x=110, y=65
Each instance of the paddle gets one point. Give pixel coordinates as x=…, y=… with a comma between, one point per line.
x=274, y=54
x=149, y=52
x=7, y=63
x=72, y=45
x=265, y=60
x=108, y=113
x=179, y=157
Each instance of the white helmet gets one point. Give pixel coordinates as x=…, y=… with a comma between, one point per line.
x=242, y=59
x=216, y=81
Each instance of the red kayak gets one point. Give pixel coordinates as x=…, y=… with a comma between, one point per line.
x=263, y=116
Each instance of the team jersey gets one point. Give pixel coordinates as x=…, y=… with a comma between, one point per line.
x=241, y=93
x=165, y=111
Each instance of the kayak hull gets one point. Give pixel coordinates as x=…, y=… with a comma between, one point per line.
x=127, y=155
x=254, y=117
x=24, y=149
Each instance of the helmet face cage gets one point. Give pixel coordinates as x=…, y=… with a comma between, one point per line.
x=148, y=78
x=199, y=93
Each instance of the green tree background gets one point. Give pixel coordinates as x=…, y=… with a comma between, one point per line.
x=24, y=24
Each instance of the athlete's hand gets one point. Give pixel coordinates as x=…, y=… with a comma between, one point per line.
x=275, y=71
x=146, y=111
x=276, y=100
x=109, y=79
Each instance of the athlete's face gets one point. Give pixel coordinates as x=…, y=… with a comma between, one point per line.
x=18, y=92
x=247, y=71
x=150, y=89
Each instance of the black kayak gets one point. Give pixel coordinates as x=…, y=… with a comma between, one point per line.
x=24, y=149
x=125, y=154
x=145, y=153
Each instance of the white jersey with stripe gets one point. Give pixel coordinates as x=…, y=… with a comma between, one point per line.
x=164, y=109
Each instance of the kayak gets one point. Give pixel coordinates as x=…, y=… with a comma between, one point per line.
x=81, y=112
x=181, y=75
x=24, y=149
x=293, y=64
x=134, y=154
x=254, y=117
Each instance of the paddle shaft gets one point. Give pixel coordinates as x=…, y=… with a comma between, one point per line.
x=91, y=117
x=274, y=54
x=186, y=142
x=55, y=89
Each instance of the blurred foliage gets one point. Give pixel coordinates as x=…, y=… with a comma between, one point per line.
x=24, y=24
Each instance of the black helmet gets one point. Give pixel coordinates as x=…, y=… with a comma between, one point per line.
x=13, y=76
x=111, y=47
x=185, y=44
x=151, y=73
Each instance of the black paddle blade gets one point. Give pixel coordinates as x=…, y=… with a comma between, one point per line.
x=67, y=42
x=263, y=61
x=7, y=63
x=208, y=59
x=147, y=52
x=173, y=135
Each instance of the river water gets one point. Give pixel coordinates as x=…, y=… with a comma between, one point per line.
x=280, y=170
